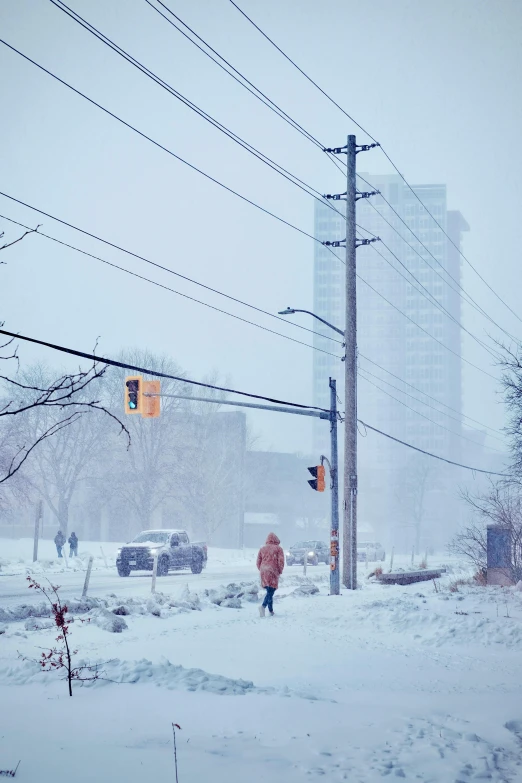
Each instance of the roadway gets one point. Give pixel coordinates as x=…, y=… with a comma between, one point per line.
x=14, y=589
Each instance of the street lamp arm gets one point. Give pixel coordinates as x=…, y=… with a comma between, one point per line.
x=291, y=310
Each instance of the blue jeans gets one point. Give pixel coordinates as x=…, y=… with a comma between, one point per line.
x=269, y=598
x=59, y=550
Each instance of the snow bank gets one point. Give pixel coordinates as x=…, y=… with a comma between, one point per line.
x=103, y=611
x=477, y=615
x=163, y=674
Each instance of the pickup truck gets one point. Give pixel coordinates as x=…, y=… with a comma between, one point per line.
x=173, y=548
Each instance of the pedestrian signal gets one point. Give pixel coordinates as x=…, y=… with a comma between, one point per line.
x=318, y=482
x=133, y=394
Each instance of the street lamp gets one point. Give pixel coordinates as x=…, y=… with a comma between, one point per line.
x=291, y=311
x=334, y=466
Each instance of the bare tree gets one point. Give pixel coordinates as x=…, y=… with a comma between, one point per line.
x=144, y=476
x=511, y=363
x=66, y=395
x=60, y=463
x=500, y=505
x=418, y=479
x=212, y=479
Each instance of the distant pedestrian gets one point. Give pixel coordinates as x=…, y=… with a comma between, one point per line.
x=270, y=563
x=73, y=543
x=59, y=540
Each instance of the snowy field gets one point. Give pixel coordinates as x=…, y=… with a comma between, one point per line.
x=387, y=682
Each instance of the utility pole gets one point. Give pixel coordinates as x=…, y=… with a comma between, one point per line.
x=350, y=380
x=350, y=357
x=334, y=472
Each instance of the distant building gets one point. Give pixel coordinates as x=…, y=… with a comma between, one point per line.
x=391, y=346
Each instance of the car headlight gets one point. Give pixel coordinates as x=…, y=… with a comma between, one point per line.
x=154, y=551
x=118, y=552
x=287, y=554
x=311, y=554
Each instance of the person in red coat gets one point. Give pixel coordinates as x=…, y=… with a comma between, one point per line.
x=270, y=563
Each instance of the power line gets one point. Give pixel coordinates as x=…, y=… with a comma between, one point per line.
x=295, y=180
x=386, y=155
x=152, y=263
x=148, y=371
x=248, y=86
x=418, y=413
x=301, y=70
x=446, y=347
x=161, y=146
x=429, y=454
x=462, y=292
x=178, y=293
x=411, y=386
x=255, y=91
x=428, y=295
x=412, y=397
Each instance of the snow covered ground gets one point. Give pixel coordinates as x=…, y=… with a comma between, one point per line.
x=387, y=682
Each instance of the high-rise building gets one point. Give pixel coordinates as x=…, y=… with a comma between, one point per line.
x=408, y=309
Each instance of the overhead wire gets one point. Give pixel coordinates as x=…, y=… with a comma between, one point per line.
x=446, y=347
x=426, y=293
x=421, y=402
x=152, y=372
x=429, y=453
x=179, y=293
x=418, y=413
x=159, y=145
x=460, y=290
x=156, y=373
x=420, y=391
x=246, y=83
x=278, y=168
x=207, y=176
x=383, y=150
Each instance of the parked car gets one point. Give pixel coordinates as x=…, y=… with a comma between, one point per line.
x=370, y=552
x=173, y=548
x=315, y=552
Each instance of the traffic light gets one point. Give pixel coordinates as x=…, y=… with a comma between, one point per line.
x=133, y=394
x=151, y=405
x=317, y=483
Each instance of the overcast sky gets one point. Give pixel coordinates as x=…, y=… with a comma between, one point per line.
x=438, y=83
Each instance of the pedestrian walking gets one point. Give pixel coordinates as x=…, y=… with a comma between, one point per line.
x=59, y=541
x=73, y=543
x=270, y=563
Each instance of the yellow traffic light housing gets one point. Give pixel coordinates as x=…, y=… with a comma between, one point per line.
x=317, y=483
x=133, y=394
x=151, y=405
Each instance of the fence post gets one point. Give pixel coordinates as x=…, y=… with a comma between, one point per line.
x=154, y=574
x=412, y=555
x=87, y=577
x=391, y=559
x=37, y=530
x=104, y=558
